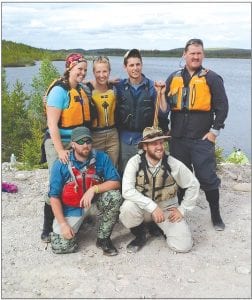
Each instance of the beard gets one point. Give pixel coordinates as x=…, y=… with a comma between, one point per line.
x=156, y=156
x=82, y=154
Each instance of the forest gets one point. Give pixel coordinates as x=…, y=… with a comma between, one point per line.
x=20, y=55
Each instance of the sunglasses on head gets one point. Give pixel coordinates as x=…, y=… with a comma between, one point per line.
x=194, y=42
x=101, y=58
x=84, y=141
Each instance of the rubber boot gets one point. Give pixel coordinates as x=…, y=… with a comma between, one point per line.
x=154, y=230
x=140, y=240
x=213, y=200
x=107, y=246
x=48, y=222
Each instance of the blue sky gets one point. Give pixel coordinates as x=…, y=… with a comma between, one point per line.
x=146, y=25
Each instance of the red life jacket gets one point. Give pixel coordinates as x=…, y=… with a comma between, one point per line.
x=79, y=183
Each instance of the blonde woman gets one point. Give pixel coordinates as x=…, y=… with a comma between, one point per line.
x=104, y=131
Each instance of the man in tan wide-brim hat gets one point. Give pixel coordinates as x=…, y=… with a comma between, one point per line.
x=149, y=187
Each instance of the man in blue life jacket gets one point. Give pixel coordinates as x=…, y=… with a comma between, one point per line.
x=136, y=99
x=89, y=177
x=199, y=107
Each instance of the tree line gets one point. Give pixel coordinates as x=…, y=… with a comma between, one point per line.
x=18, y=54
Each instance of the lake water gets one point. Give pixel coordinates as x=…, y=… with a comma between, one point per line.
x=237, y=80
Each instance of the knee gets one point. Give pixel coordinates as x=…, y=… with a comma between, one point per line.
x=62, y=246
x=130, y=214
x=181, y=245
x=111, y=200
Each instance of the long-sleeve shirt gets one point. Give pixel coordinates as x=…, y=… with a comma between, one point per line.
x=192, y=124
x=181, y=174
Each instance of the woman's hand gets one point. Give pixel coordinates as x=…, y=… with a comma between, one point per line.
x=63, y=156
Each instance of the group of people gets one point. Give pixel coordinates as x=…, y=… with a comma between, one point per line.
x=106, y=144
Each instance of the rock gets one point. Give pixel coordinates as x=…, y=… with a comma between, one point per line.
x=242, y=270
x=22, y=176
x=190, y=280
x=242, y=187
x=119, y=276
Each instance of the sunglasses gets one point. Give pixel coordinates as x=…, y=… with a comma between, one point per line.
x=84, y=141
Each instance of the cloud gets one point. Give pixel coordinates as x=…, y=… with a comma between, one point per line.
x=126, y=25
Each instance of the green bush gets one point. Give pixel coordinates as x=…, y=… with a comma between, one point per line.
x=31, y=151
x=219, y=155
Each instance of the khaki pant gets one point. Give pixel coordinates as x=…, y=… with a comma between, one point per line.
x=107, y=141
x=178, y=234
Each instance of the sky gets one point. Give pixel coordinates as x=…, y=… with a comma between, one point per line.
x=145, y=25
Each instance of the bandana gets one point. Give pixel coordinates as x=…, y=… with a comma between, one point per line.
x=73, y=59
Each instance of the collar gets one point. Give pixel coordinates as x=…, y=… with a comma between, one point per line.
x=81, y=164
x=150, y=165
x=185, y=71
x=143, y=82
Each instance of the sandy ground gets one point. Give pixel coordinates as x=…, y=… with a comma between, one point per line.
x=219, y=265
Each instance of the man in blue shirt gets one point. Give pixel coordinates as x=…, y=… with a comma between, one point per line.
x=136, y=100
x=88, y=177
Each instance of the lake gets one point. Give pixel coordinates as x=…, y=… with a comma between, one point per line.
x=237, y=80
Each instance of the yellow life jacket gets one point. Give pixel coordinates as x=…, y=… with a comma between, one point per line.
x=105, y=104
x=195, y=97
x=78, y=111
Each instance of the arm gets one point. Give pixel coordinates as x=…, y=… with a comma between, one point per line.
x=160, y=88
x=219, y=104
x=57, y=100
x=66, y=229
x=59, y=175
x=105, y=169
x=186, y=180
x=53, y=116
x=100, y=188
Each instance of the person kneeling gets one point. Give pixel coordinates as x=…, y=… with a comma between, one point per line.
x=149, y=187
x=88, y=177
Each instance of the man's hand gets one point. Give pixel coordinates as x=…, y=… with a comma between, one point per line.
x=87, y=198
x=160, y=87
x=158, y=215
x=210, y=136
x=175, y=215
x=67, y=231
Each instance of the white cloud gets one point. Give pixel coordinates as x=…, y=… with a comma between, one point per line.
x=126, y=25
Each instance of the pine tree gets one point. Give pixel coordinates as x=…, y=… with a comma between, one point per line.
x=15, y=122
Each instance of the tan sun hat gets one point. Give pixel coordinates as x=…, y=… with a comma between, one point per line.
x=151, y=134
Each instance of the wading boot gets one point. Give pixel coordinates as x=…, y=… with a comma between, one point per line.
x=48, y=221
x=140, y=239
x=106, y=245
x=154, y=230
x=213, y=200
